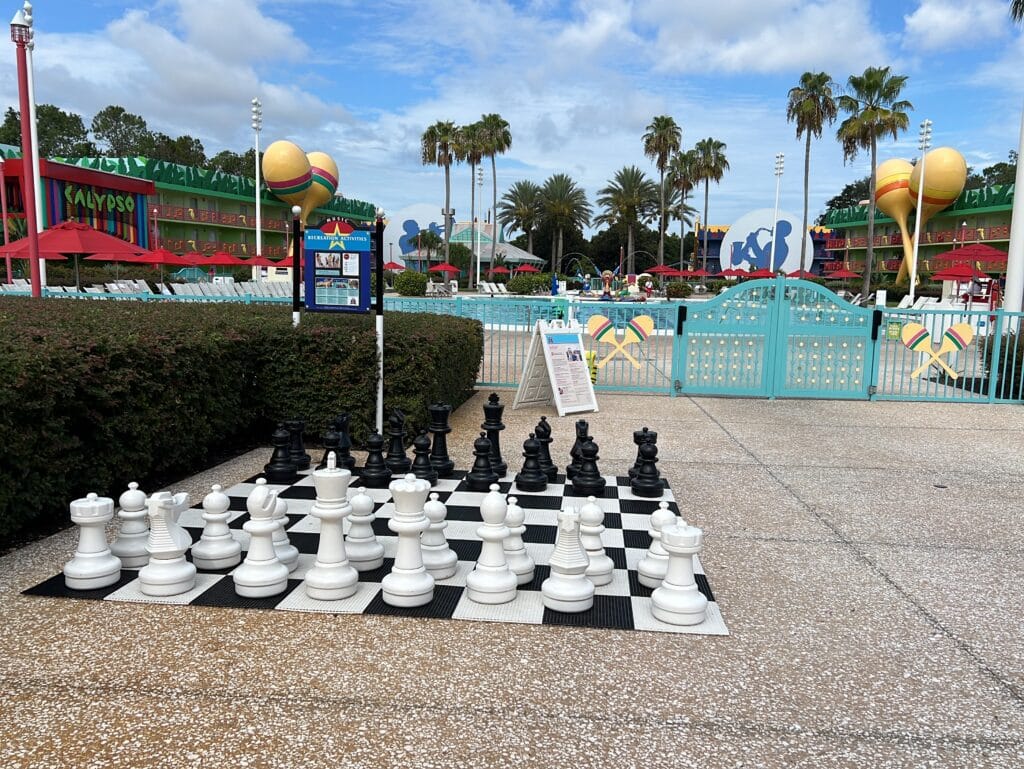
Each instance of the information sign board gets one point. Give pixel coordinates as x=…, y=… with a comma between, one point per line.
x=337, y=271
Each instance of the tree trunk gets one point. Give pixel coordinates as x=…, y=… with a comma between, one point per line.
x=707, y=183
x=447, y=208
x=869, y=253
x=682, y=225
x=807, y=183
x=494, y=209
x=472, y=220
x=661, y=221
x=630, y=255
x=554, y=247
x=529, y=241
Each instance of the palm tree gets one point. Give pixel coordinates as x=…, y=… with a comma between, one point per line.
x=811, y=105
x=1017, y=10
x=565, y=206
x=521, y=208
x=710, y=166
x=874, y=108
x=660, y=142
x=497, y=140
x=428, y=240
x=469, y=149
x=437, y=147
x=682, y=177
x=629, y=200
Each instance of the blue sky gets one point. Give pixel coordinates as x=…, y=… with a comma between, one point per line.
x=578, y=81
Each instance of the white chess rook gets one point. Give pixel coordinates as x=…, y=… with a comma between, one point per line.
x=133, y=532
x=261, y=574
x=287, y=553
x=217, y=548
x=167, y=573
x=439, y=560
x=408, y=584
x=519, y=560
x=93, y=565
x=365, y=553
x=332, y=577
x=678, y=601
x=591, y=527
x=492, y=582
x=652, y=567
x=568, y=589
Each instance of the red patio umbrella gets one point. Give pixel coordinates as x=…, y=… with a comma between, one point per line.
x=73, y=237
x=500, y=270
x=661, y=269
x=975, y=252
x=393, y=266
x=799, y=274
x=262, y=261
x=764, y=272
x=444, y=267
x=961, y=272
x=842, y=274
x=527, y=268
x=700, y=273
x=731, y=273
x=223, y=259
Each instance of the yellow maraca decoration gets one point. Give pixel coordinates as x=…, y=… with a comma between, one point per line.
x=324, y=182
x=945, y=173
x=287, y=172
x=892, y=197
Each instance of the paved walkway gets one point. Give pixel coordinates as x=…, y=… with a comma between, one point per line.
x=868, y=559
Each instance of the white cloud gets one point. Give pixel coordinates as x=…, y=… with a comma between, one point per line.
x=944, y=24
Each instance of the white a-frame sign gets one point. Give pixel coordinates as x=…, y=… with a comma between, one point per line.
x=556, y=370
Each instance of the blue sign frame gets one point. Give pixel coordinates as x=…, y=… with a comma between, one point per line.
x=337, y=271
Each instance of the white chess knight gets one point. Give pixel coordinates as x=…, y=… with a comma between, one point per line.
x=408, y=584
x=568, y=589
x=217, y=547
x=261, y=574
x=167, y=573
x=93, y=565
x=332, y=577
x=365, y=553
x=652, y=567
x=173, y=504
x=133, y=532
x=439, y=560
x=678, y=601
x=492, y=581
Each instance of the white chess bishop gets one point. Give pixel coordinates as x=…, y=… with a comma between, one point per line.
x=678, y=601
x=365, y=553
x=133, y=532
x=408, y=584
x=217, y=548
x=568, y=589
x=261, y=574
x=332, y=577
x=168, y=572
x=492, y=581
x=93, y=565
x=652, y=567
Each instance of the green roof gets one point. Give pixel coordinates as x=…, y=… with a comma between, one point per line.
x=998, y=197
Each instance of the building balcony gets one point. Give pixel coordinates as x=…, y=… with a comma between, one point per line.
x=220, y=218
x=207, y=247
x=960, y=235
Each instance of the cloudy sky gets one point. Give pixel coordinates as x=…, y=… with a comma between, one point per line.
x=578, y=80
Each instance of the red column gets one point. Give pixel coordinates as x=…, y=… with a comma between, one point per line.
x=28, y=191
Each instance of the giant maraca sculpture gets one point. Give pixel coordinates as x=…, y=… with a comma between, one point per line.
x=287, y=172
x=324, y=183
x=945, y=173
x=892, y=196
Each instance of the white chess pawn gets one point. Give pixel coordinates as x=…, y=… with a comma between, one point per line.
x=133, y=533
x=217, y=548
x=519, y=560
x=568, y=589
x=439, y=560
x=172, y=505
x=332, y=577
x=408, y=584
x=261, y=573
x=492, y=581
x=591, y=527
x=652, y=567
x=93, y=565
x=167, y=573
x=365, y=553
x=678, y=601
x=287, y=553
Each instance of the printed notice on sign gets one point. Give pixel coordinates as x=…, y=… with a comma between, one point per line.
x=570, y=377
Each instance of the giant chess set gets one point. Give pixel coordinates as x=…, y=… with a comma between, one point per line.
x=411, y=537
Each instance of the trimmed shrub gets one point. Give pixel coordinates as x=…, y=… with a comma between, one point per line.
x=678, y=289
x=531, y=283
x=411, y=283
x=97, y=394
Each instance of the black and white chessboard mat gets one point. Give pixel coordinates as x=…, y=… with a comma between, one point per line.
x=623, y=604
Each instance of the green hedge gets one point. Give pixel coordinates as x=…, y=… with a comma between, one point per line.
x=678, y=289
x=97, y=394
x=531, y=283
x=411, y=283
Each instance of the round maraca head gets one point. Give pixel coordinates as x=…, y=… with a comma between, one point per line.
x=287, y=172
x=945, y=173
x=892, y=193
x=324, y=183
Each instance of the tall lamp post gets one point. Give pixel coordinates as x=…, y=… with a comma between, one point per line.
x=924, y=142
x=257, y=124
x=296, y=262
x=38, y=186
x=379, y=318
x=780, y=163
x=3, y=206
x=21, y=34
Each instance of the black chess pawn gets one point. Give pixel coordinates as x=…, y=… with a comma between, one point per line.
x=299, y=457
x=589, y=481
x=582, y=436
x=421, y=466
x=482, y=475
x=493, y=410
x=397, y=461
x=543, y=433
x=280, y=468
x=344, y=454
x=532, y=477
x=331, y=441
x=375, y=473
x=640, y=437
x=439, y=428
x=647, y=482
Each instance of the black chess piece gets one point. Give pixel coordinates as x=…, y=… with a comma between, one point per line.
x=397, y=461
x=280, y=468
x=482, y=475
x=439, y=428
x=582, y=436
x=647, y=482
x=345, y=458
x=375, y=473
x=588, y=481
x=493, y=410
x=543, y=433
x=641, y=437
x=331, y=440
x=299, y=457
x=532, y=477
x=421, y=466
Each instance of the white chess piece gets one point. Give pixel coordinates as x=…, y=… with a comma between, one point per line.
x=492, y=581
x=217, y=548
x=261, y=573
x=172, y=505
x=167, y=573
x=591, y=526
x=93, y=565
x=652, y=567
x=678, y=601
x=408, y=584
x=568, y=589
x=287, y=553
x=365, y=553
x=519, y=560
x=332, y=577
x=439, y=560
x=133, y=532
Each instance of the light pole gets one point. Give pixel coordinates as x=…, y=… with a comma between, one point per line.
x=257, y=124
x=21, y=34
x=3, y=206
x=475, y=233
x=30, y=48
x=296, y=262
x=379, y=319
x=780, y=163
x=924, y=142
